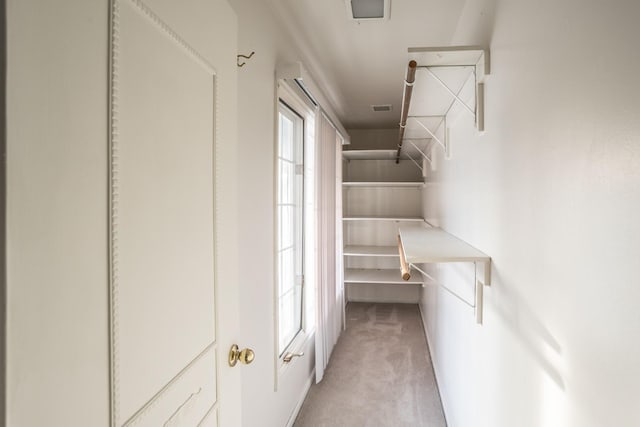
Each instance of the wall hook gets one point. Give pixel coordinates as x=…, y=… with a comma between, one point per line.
x=243, y=56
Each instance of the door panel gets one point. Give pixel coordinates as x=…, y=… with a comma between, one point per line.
x=186, y=401
x=163, y=144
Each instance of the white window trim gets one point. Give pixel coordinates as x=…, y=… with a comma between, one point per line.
x=301, y=341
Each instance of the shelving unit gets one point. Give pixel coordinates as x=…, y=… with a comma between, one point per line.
x=378, y=197
x=423, y=244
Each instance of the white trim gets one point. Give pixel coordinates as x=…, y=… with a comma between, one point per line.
x=288, y=94
x=433, y=360
x=303, y=396
x=296, y=71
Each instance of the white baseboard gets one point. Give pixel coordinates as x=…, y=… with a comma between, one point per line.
x=303, y=396
x=433, y=361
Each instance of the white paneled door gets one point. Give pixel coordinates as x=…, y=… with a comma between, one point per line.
x=172, y=119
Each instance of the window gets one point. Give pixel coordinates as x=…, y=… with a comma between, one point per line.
x=290, y=201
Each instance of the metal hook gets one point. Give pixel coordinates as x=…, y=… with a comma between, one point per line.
x=243, y=56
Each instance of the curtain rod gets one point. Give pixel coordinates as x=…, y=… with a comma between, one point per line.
x=406, y=101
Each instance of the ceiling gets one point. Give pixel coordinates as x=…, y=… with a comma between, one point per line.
x=360, y=64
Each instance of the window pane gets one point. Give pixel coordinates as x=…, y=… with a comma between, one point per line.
x=290, y=223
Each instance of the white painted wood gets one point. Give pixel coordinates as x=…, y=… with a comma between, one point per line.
x=375, y=251
x=407, y=151
x=384, y=218
x=170, y=114
x=162, y=181
x=379, y=197
x=424, y=244
x=384, y=293
x=369, y=154
x=187, y=400
x=449, y=81
x=382, y=184
x=388, y=276
x=61, y=228
x=450, y=55
x=401, y=202
x=384, y=170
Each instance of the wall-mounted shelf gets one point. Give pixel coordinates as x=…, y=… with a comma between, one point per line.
x=382, y=154
x=447, y=80
x=424, y=244
x=383, y=218
x=383, y=184
x=383, y=276
x=373, y=251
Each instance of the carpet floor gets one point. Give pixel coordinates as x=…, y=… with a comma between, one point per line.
x=379, y=375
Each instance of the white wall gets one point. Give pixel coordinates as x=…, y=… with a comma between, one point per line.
x=373, y=139
x=551, y=191
x=259, y=32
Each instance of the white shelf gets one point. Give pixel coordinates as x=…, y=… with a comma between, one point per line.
x=373, y=251
x=383, y=218
x=383, y=184
x=383, y=276
x=451, y=56
x=423, y=244
x=377, y=154
x=369, y=154
x=449, y=81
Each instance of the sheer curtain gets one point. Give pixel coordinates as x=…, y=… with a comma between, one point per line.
x=330, y=287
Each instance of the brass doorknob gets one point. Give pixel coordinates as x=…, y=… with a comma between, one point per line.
x=245, y=356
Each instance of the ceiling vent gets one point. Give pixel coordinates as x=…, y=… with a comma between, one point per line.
x=368, y=10
x=381, y=108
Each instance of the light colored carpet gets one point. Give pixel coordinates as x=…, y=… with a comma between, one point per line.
x=380, y=374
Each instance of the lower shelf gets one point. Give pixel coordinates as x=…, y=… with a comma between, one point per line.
x=382, y=276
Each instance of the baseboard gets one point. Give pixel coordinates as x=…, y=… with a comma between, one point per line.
x=433, y=361
x=296, y=410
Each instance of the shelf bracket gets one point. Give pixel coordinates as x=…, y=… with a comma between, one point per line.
x=414, y=162
x=438, y=140
x=424, y=155
x=455, y=95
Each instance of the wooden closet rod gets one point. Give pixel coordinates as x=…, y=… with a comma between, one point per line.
x=404, y=265
x=406, y=101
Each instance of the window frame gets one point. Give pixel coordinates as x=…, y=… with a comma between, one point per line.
x=298, y=103
x=289, y=112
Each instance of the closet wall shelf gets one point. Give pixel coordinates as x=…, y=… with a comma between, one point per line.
x=382, y=276
x=448, y=80
x=381, y=154
x=383, y=184
x=383, y=218
x=373, y=251
x=423, y=244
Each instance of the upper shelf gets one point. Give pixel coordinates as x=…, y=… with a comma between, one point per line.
x=449, y=81
x=451, y=56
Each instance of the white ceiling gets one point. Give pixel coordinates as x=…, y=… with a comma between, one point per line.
x=363, y=63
